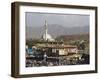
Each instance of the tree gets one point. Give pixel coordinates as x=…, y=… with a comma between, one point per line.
x=82, y=45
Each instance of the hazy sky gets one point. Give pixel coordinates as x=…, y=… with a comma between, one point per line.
x=67, y=20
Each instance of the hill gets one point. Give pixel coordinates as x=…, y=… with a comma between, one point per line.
x=55, y=30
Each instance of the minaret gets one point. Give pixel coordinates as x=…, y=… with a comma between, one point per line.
x=46, y=30
x=47, y=36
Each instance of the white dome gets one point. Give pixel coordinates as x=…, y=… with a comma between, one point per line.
x=48, y=37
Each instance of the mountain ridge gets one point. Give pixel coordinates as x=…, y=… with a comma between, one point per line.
x=55, y=31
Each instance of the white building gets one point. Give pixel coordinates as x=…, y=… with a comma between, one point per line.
x=46, y=36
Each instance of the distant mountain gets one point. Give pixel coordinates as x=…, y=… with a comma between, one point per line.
x=55, y=31
x=74, y=37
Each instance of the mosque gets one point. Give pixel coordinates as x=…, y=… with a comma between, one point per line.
x=46, y=36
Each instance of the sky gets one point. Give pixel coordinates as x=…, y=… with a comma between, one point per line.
x=66, y=20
